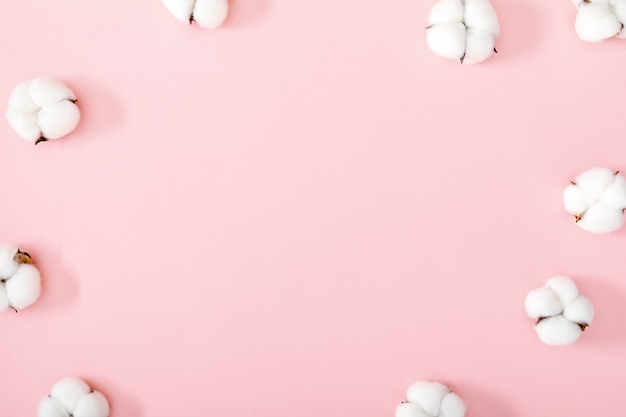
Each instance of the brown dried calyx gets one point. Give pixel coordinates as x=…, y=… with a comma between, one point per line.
x=23, y=258
x=582, y=326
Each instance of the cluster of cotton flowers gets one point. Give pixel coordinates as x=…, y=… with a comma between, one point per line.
x=597, y=199
x=463, y=29
x=207, y=13
x=431, y=399
x=73, y=397
x=42, y=109
x=20, y=283
x=560, y=311
x=597, y=20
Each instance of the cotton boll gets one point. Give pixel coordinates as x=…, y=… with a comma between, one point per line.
x=446, y=11
x=564, y=288
x=463, y=29
x=557, y=331
x=8, y=266
x=428, y=395
x=614, y=197
x=92, y=405
x=581, y=311
x=207, y=13
x=50, y=407
x=447, y=40
x=479, y=46
x=452, y=406
x=480, y=15
x=58, y=119
x=69, y=391
x=595, y=181
x=410, y=410
x=24, y=287
x=42, y=109
x=542, y=302
x=596, y=22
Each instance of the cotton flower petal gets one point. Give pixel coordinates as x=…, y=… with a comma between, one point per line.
x=92, y=405
x=24, y=287
x=580, y=311
x=557, y=331
x=452, y=406
x=428, y=395
x=447, y=40
x=45, y=91
x=49, y=407
x=564, y=288
x=595, y=181
x=69, y=391
x=542, y=302
x=410, y=410
x=614, y=197
x=576, y=201
x=25, y=124
x=599, y=219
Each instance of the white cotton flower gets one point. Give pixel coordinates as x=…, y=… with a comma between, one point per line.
x=431, y=399
x=597, y=199
x=561, y=313
x=463, y=29
x=42, y=109
x=20, y=283
x=207, y=13
x=73, y=397
x=600, y=19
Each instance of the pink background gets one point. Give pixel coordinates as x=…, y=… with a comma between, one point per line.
x=305, y=211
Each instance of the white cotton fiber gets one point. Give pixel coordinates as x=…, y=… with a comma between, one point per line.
x=463, y=29
x=73, y=397
x=207, y=13
x=600, y=19
x=452, y=406
x=42, y=109
x=542, y=302
x=69, y=391
x=8, y=266
x=557, y=331
x=410, y=410
x=49, y=407
x=92, y=405
x=431, y=399
x=4, y=298
x=24, y=287
x=561, y=323
x=597, y=200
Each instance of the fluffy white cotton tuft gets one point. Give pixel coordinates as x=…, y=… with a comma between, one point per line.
x=207, y=13
x=73, y=397
x=464, y=30
x=8, y=266
x=561, y=312
x=600, y=19
x=597, y=200
x=42, y=109
x=431, y=399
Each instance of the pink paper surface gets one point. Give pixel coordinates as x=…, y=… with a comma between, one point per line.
x=305, y=211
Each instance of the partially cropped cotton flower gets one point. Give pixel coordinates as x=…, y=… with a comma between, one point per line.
x=600, y=19
x=431, y=399
x=560, y=311
x=42, y=109
x=207, y=13
x=73, y=397
x=20, y=283
x=597, y=199
x=463, y=29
